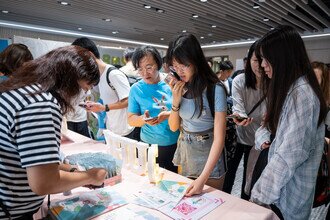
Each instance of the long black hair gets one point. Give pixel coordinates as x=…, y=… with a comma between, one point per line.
x=186, y=50
x=58, y=72
x=284, y=49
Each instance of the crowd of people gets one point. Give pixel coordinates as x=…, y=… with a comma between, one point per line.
x=277, y=108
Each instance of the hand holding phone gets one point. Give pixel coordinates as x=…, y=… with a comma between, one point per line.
x=175, y=77
x=237, y=117
x=149, y=118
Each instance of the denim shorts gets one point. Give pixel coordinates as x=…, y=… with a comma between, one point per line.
x=193, y=151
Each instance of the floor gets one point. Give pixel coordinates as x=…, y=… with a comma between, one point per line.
x=318, y=213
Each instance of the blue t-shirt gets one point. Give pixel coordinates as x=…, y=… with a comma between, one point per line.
x=189, y=115
x=155, y=98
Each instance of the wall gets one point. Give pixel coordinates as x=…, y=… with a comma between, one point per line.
x=318, y=49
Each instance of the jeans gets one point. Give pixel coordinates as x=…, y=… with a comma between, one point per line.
x=232, y=169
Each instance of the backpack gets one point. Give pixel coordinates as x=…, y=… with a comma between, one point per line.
x=322, y=188
x=131, y=79
x=231, y=136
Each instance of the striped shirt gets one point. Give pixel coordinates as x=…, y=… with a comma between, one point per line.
x=29, y=135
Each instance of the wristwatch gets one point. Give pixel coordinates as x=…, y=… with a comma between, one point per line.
x=106, y=108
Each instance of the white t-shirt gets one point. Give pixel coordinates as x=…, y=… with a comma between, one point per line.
x=116, y=119
x=79, y=114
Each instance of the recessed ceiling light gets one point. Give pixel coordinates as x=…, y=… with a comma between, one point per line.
x=202, y=37
x=184, y=31
x=272, y=28
x=63, y=3
x=147, y=6
x=160, y=10
x=161, y=38
x=214, y=26
x=106, y=19
x=115, y=32
x=195, y=16
x=256, y=6
x=5, y=12
x=209, y=34
x=266, y=19
x=79, y=28
x=203, y=0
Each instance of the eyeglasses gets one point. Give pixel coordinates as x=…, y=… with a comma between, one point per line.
x=148, y=68
x=179, y=68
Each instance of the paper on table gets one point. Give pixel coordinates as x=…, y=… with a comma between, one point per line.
x=191, y=208
x=163, y=193
x=87, y=205
x=128, y=213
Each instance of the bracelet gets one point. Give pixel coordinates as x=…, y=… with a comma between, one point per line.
x=175, y=109
x=73, y=169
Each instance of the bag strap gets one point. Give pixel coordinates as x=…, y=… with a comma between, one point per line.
x=108, y=74
x=256, y=105
x=210, y=95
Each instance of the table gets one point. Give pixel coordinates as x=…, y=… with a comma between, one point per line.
x=233, y=208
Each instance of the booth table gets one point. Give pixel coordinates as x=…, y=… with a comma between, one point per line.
x=233, y=208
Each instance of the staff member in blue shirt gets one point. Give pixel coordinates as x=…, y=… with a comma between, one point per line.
x=149, y=105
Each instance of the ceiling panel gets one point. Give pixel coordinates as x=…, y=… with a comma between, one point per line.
x=235, y=19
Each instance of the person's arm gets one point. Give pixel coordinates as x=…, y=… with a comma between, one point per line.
x=98, y=107
x=49, y=179
x=298, y=122
x=174, y=119
x=216, y=149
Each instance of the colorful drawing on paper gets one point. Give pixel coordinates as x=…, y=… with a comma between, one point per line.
x=192, y=207
x=87, y=205
x=163, y=193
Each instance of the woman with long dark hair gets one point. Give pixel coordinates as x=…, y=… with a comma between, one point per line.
x=248, y=103
x=201, y=141
x=32, y=103
x=295, y=119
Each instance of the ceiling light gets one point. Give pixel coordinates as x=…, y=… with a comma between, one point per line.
x=73, y=33
x=106, y=19
x=161, y=38
x=272, y=28
x=214, y=26
x=203, y=0
x=147, y=6
x=266, y=19
x=210, y=34
x=184, y=31
x=262, y=0
x=79, y=28
x=115, y=32
x=64, y=3
x=160, y=10
x=256, y=6
x=195, y=16
x=202, y=37
x=5, y=12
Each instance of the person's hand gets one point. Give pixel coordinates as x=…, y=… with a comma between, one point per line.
x=94, y=107
x=97, y=176
x=163, y=116
x=195, y=187
x=152, y=121
x=244, y=122
x=177, y=91
x=265, y=145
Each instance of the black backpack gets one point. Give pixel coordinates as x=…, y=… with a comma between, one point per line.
x=131, y=79
x=231, y=136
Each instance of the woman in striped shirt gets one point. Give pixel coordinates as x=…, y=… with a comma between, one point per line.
x=32, y=103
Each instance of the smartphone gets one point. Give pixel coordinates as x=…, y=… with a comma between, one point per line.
x=83, y=105
x=237, y=117
x=149, y=119
x=176, y=78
